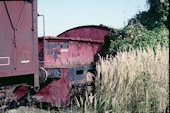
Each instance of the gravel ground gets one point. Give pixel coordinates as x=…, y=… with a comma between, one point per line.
x=26, y=109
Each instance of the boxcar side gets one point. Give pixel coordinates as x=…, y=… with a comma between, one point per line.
x=18, y=43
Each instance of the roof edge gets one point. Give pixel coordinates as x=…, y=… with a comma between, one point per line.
x=101, y=26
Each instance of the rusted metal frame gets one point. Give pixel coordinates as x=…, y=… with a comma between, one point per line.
x=78, y=40
x=7, y=95
x=65, y=67
x=9, y=15
x=35, y=42
x=43, y=32
x=43, y=23
x=15, y=85
x=18, y=23
x=14, y=40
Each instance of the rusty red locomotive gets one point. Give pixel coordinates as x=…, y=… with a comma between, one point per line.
x=48, y=69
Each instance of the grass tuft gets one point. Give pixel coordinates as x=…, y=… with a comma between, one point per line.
x=134, y=81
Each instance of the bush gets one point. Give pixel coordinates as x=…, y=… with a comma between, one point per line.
x=135, y=35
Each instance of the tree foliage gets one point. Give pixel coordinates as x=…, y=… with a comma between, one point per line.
x=157, y=15
x=146, y=29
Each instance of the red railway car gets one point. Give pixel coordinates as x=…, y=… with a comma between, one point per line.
x=75, y=51
x=18, y=40
x=18, y=43
x=48, y=69
x=18, y=47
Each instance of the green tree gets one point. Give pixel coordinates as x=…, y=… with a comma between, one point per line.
x=148, y=28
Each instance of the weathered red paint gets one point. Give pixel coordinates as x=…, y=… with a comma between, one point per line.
x=18, y=39
x=63, y=53
x=20, y=92
x=73, y=48
x=91, y=33
x=56, y=92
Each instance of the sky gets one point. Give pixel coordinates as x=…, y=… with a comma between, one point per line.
x=61, y=15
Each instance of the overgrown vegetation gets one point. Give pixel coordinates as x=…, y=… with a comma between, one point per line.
x=134, y=81
x=146, y=29
x=134, y=78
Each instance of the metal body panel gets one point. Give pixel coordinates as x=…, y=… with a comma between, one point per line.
x=66, y=54
x=57, y=91
x=78, y=74
x=73, y=48
x=90, y=32
x=18, y=39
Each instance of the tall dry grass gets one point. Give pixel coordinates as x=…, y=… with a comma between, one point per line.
x=135, y=81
